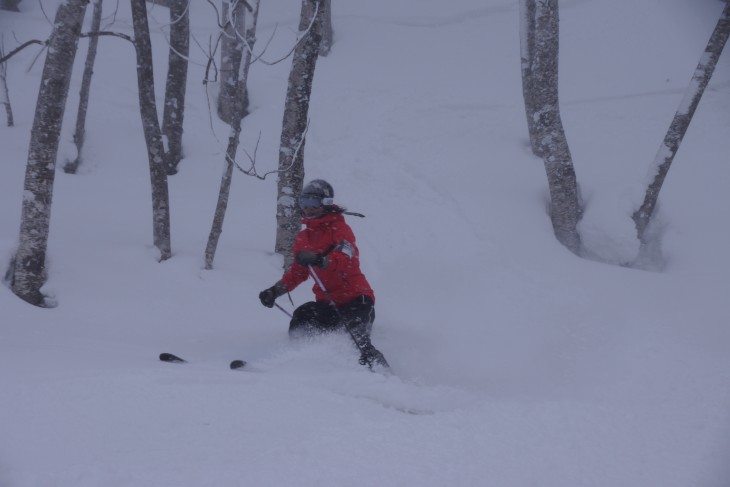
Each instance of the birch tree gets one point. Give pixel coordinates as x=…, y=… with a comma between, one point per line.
x=11, y=5
x=27, y=273
x=565, y=204
x=72, y=166
x=328, y=34
x=527, y=51
x=237, y=113
x=232, y=48
x=682, y=118
x=152, y=133
x=177, y=78
x=291, y=149
x=4, y=93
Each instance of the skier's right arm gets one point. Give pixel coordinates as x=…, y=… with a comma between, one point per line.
x=296, y=275
x=268, y=296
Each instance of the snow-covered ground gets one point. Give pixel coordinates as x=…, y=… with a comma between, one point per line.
x=516, y=363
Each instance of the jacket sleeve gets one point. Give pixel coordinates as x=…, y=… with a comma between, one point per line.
x=296, y=274
x=345, y=255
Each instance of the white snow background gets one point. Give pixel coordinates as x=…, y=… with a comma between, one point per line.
x=516, y=363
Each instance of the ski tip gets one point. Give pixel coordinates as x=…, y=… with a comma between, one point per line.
x=238, y=364
x=168, y=357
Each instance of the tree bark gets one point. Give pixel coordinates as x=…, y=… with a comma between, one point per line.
x=527, y=50
x=10, y=5
x=291, y=151
x=565, y=205
x=232, y=49
x=28, y=273
x=72, y=166
x=328, y=34
x=177, y=80
x=678, y=128
x=234, y=137
x=152, y=133
x=4, y=93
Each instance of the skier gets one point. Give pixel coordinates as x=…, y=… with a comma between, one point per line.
x=326, y=249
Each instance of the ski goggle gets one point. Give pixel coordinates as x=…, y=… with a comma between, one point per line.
x=311, y=202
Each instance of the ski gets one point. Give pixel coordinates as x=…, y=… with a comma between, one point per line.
x=174, y=359
x=238, y=364
x=168, y=357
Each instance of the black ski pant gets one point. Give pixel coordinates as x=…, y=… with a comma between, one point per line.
x=357, y=316
x=318, y=317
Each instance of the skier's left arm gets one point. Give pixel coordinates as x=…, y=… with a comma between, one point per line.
x=341, y=256
x=345, y=254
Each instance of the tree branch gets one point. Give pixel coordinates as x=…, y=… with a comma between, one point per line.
x=45, y=43
x=108, y=33
x=252, y=170
x=21, y=47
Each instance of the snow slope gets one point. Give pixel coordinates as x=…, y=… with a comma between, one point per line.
x=516, y=363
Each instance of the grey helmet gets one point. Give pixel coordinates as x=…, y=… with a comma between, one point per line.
x=316, y=193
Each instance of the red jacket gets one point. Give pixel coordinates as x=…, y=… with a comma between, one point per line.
x=342, y=276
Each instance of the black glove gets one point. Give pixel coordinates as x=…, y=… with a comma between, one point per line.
x=268, y=296
x=306, y=258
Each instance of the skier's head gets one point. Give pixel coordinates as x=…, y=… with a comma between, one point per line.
x=316, y=198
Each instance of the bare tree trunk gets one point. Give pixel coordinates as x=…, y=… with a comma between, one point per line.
x=28, y=274
x=72, y=166
x=565, y=205
x=225, y=189
x=678, y=128
x=328, y=34
x=4, y=93
x=151, y=128
x=233, y=139
x=291, y=151
x=527, y=50
x=177, y=80
x=232, y=48
x=11, y=5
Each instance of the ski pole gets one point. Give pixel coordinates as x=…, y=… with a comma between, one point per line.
x=324, y=289
x=283, y=310
x=332, y=302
